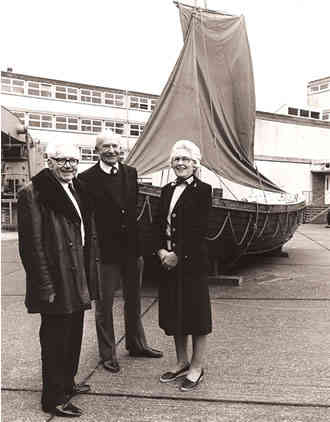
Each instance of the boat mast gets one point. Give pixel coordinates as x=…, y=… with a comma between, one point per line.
x=205, y=9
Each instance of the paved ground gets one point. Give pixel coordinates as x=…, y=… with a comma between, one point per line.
x=268, y=357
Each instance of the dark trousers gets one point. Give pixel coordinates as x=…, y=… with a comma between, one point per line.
x=111, y=276
x=60, y=340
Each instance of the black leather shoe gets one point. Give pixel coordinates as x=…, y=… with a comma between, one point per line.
x=172, y=376
x=146, y=352
x=188, y=385
x=67, y=410
x=81, y=388
x=111, y=366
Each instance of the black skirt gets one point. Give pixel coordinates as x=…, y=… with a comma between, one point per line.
x=184, y=303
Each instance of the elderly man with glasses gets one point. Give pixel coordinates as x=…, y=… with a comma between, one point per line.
x=57, y=245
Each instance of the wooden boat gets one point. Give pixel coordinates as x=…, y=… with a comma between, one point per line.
x=235, y=228
x=210, y=100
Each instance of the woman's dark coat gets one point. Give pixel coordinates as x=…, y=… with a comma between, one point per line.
x=51, y=249
x=184, y=304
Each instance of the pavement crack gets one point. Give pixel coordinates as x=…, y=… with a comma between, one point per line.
x=193, y=399
x=315, y=241
x=211, y=400
x=119, y=341
x=282, y=299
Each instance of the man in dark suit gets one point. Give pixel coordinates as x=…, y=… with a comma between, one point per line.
x=113, y=189
x=57, y=245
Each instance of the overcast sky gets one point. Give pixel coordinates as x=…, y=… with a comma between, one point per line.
x=133, y=44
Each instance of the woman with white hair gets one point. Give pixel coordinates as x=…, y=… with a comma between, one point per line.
x=184, y=303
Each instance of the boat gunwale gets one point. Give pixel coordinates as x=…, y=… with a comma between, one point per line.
x=234, y=205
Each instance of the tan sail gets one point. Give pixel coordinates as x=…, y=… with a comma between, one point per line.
x=209, y=99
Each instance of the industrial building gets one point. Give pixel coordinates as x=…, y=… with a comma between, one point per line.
x=292, y=146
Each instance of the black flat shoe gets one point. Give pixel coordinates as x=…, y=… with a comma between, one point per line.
x=111, y=366
x=188, y=385
x=146, y=352
x=172, y=376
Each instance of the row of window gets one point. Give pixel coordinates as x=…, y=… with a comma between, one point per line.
x=308, y=113
x=88, y=154
x=91, y=96
x=318, y=88
x=48, y=121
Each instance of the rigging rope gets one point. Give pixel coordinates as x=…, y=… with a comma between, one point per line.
x=220, y=231
x=239, y=243
x=146, y=203
x=264, y=226
x=227, y=187
x=242, y=244
x=277, y=227
x=260, y=183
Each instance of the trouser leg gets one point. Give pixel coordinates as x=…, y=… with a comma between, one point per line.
x=135, y=336
x=73, y=349
x=110, y=277
x=54, y=335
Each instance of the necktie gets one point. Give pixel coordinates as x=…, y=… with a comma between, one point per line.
x=113, y=171
x=75, y=194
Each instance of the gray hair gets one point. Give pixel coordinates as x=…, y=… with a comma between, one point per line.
x=55, y=149
x=108, y=135
x=188, y=148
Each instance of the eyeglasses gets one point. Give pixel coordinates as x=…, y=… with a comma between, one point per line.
x=185, y=160
x=62, y=161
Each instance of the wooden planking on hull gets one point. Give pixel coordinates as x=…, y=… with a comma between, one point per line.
x=236, y=228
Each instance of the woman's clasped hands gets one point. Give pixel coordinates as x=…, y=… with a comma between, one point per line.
x=168, y=259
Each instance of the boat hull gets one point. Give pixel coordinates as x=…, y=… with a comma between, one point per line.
x=236, y=228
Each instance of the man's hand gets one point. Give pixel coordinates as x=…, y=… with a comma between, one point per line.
x=51, y=298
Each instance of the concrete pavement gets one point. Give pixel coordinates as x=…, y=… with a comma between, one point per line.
x=268, y=357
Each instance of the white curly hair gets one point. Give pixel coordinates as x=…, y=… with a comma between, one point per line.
x=186, y=148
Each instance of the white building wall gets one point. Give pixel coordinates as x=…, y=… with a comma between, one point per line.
x=291, y=177
x=318, y=94
x=276, y=138
x=54, y=106
x=320, y=100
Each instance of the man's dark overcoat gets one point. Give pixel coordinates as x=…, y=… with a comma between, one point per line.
x=184, y=304
x=51, y=250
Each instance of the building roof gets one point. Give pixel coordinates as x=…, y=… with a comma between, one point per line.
x=284, y=118
x=25, y=77
x=326, y=79
x=11, y=125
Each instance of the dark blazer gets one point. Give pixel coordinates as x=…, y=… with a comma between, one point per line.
x=116, y=220
x=189, y=224
x=51, y=250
